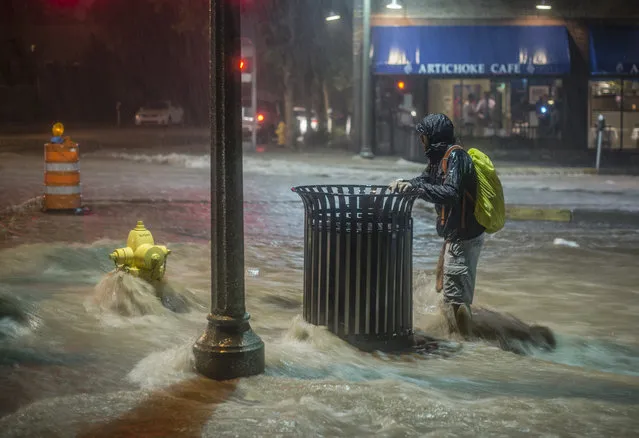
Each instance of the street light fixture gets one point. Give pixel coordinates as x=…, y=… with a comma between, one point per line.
x=332, y=16
x=543, y=6
x=394, y=5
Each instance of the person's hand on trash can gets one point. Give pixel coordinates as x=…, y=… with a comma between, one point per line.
x=400, y=186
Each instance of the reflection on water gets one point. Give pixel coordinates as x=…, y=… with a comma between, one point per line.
x=105, y=344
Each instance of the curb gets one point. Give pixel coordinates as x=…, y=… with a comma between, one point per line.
x=503, y=170
x=617, y=217
x=528, y=213
x=534, y=213
x=532, y=171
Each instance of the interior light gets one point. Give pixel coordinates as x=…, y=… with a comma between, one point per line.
x=543, y=6
x=332, y=16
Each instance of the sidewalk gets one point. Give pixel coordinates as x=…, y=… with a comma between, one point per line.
x=539, y=193
x=346, y=158
x=195, y=140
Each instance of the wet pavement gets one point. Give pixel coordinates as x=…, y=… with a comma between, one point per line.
x=81, y=369
x=125, y=174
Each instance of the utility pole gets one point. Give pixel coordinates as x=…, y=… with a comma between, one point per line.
x=356, y=116
x=366, y=110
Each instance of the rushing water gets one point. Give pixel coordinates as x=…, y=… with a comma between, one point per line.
x=94, y=353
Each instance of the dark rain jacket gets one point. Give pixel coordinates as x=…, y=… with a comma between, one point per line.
x=452, y=193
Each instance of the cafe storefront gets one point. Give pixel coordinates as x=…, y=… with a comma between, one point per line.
x=614, y=85
x=499, y=84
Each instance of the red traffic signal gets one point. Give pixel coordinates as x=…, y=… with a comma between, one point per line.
x=245, y=65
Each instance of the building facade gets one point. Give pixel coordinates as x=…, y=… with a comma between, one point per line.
x=507, y=73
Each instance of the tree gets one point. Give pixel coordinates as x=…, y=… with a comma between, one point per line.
x=161, y=48
x=191, y=33
x=302, y=53
x=332, y=61
x=279, y=27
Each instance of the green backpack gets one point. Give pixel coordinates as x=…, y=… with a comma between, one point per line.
x=490, y=208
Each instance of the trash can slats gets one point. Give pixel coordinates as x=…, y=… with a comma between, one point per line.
x=358, y=263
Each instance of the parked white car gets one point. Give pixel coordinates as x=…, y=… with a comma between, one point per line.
x=160, y=113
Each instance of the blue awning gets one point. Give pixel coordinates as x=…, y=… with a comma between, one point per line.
x=471, y=50
x=614, y=50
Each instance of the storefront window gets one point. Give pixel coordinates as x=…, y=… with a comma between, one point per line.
x=546, y=106
x=631, y=114
x=605, y=99
x=618, y=102
x=502, y=108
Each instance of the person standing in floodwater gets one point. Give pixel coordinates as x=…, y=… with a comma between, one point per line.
x=469, y=116
x=448, y=186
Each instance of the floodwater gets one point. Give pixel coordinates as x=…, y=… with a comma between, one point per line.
x=97, y=354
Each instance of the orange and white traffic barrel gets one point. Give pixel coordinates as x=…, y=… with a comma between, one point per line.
x=62, y=190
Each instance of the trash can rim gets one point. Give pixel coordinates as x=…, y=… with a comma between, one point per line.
x=297, y=190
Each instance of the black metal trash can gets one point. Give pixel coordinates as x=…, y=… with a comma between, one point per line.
x=358, y=264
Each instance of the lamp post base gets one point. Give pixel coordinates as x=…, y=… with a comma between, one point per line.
x=367, y=152
x=229, y=349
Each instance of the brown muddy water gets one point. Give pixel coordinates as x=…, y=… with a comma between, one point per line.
x=98, y=355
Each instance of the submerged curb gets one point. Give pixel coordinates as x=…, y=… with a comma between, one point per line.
x=535, y=213
x=503, y=169
x=576, y=215
x=617, y=217
x=559, y=171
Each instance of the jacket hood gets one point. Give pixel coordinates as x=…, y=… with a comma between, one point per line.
x=439, y=130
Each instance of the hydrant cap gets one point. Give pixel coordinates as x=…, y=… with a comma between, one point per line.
x=139, y=236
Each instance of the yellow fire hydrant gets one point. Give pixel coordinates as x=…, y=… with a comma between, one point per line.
x=281, y=134
x=141, y=257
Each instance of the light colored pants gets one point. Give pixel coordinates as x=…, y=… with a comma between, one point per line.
x=460, y=270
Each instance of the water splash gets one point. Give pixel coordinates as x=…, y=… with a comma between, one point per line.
x=276, y=166
x=433, y=316
x=178, y=299
x=17, y=318
x=70, y=263
x=428, y=314
x=30, y=205
x=164, y=368
x=129, y=296
x=183, y=160
x=126, y=295
x=563, y=242
x=596, y=354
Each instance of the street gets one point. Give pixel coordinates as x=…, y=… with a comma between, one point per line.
x=163, y=276
x=163, y=175
x=98, y=366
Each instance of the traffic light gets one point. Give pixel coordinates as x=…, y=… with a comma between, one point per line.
x=245, y=65
x=401, y=85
